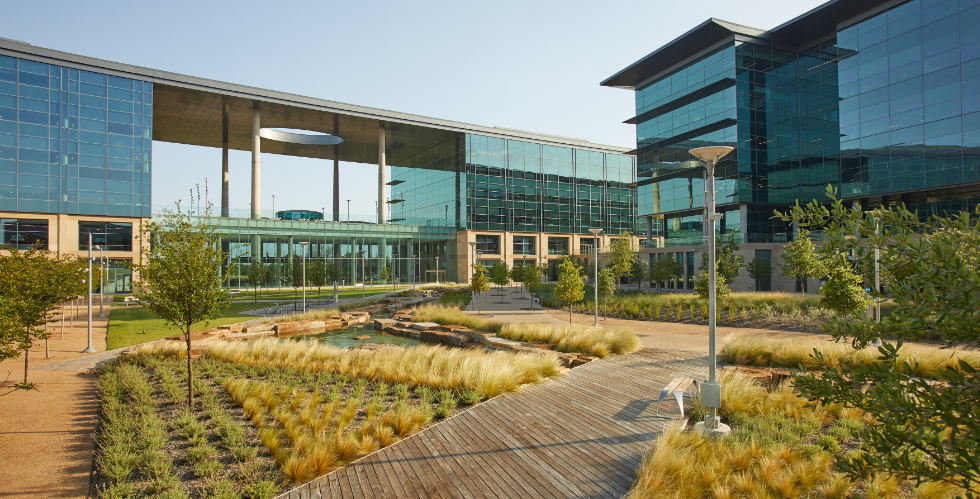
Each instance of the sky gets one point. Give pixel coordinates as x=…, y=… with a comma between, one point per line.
x=529, y=65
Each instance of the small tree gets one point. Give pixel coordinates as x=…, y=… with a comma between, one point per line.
x=607, y=286
x=32, y=285
x=842, y=292
x=316, y=274
x=517, y=275
x=759, y=269
x=639, y=272
x=479, y=283
x=257, y=274
x=571, y=287
x=531, y=279
x=727, y=262
x=800, y=260
x=296, y=277
x=702, y=284
x=663, y=268
x=622, y=254
x=180, y=275
x=385, y=271
x=501, y=276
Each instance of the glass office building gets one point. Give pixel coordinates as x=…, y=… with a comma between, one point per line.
x=481, y=183
x=73, y=141
x=884, y=107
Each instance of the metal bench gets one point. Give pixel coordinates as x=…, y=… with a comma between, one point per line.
x=677, y=387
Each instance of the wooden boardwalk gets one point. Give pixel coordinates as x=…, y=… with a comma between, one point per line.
x=578, y=435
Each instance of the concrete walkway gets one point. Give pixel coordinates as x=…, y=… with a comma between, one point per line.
x=46, y=435
x=512, y=308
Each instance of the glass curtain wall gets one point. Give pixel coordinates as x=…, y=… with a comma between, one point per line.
x=519, y=186
x=425, y=188
x=910, y=98
x=73, y=141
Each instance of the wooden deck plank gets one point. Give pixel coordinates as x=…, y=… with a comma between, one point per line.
x=581, y=434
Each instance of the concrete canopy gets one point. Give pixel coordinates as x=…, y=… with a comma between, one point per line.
x=188, y=110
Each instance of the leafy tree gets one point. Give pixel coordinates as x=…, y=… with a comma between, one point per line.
x=316, y=273
x=663, y=268
x=702, y=285
x=517, y=275
x=759, y=269
x=921, y=429
x=32, y=285
x=588, y=270
x=385, y=271
x=639, y=272
x=531, y=278
x=570, y=286
x=295, y=276
x=180, y=275
x=607, y=285
x=800, y=259
x=500, y=275
x=479, y=283
x=257, y=274
x=622, y=254
x=842, y=292
x=727, y=261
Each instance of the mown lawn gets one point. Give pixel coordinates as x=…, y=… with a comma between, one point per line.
x=126, y=325
x=311, y=293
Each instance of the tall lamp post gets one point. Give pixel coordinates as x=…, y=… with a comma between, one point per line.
x=273, y=206
x=595, y=261
x=303, y=245
x=89, y=348
x=711, y=390
x=101, y=282
x=473, y=254
x=413, y=271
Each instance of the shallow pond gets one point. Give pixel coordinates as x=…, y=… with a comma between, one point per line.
x=344, y=338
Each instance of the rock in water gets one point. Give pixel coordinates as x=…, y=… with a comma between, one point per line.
x=364, y=337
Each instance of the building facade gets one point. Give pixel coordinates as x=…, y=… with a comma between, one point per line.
x=879, y=100
x=76, y=138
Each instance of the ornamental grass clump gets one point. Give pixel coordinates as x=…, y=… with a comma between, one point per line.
x=919, y=361
x=442, y=314
x=432, y=365
x=575, y=338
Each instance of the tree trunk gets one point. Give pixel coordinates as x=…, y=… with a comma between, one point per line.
x=569, y=313
x=190, y=372
x=26, y=362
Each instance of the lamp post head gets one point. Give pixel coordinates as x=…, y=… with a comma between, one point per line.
x=595, y=232
x=710, y=154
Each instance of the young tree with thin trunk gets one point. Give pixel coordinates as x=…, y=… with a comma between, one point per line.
x=179, y=275
x=607, y=286
x=663, y=268
x=531, y=280
x=639, y=272
x=517, y=275
x=622, y=254
x=479, y=283
x=571, y=287
x=500, y=275
x=257, y=274
x=800, y=259
x=32, y=285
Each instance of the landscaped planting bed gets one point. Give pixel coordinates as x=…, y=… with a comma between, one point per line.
x=271, y=412
x=773, y=310
x=780, y=446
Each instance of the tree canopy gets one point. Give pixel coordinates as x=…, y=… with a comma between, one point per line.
x=663, y=268
x=179, y=275
x=922, y=429
x=32, y=284
x=571, y=287
x=622, y=254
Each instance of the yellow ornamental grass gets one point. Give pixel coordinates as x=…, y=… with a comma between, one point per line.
x=490, y=374
x=575, y=338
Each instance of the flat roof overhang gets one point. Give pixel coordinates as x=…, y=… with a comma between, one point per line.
x=188, y=110
x=796, y=34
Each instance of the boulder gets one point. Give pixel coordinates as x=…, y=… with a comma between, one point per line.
x=475, y=336
x=449, y=328
x=362, y=337
x=299, y=326
x=234, y=328
x=542, y=346
x=402, y=331
x=422, y=326
x=502, y=344
x=258, y=328
x=453, y=339
x=380, y=324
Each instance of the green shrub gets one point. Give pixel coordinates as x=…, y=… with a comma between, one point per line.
x=220, y=489
x=469, y=397
x=120, y=490
x=245, y=453
x=207, y=469
x=829, y=443
x=197, y=455
x=656, y=310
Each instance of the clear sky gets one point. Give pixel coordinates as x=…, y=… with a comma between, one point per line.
x=519, y=64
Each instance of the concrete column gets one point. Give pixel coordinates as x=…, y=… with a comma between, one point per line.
x=649, y=229
x=256, y=187
x=381, y=174
x=224, y=160
x=336, y=171
x=744, y=221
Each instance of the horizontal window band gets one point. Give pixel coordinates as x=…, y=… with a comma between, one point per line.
x=679, y=102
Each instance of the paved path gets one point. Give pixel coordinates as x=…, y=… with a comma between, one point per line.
x=582, y=434
x=653, y=334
